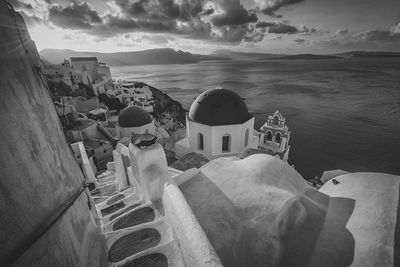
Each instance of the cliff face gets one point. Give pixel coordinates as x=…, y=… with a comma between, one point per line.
x=164, y=105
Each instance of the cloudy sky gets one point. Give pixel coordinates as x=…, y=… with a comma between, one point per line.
x=202, y=26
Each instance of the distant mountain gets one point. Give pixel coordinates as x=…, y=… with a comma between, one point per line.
x=146, y=57
x=262, y=56
x=243, y=55
x=306, y=56
x=368, y=54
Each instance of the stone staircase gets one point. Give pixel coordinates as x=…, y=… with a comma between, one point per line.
x=137, y=231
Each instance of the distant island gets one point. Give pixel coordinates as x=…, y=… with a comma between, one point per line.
x=170, y=56
x=304, y=56
x=145, y=57
x=236, y=55
x=385, y=54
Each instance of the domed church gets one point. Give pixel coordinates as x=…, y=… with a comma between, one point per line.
x=218, y=124
x=134, y=120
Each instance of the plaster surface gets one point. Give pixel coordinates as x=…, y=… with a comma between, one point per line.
x=260, y=212
x=39, y=173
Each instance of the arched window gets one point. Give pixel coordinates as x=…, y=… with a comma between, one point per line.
x=246, y=138
x=276, y=121
x=200, y=141
x=269, y=136
x=226, y=143
x=278, y=138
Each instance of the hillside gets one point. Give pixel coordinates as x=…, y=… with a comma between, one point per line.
x=243, y=55
x=369, y=54
x=236, y=55
x=145, y=57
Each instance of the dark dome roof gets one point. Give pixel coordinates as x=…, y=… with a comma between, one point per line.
x=133, y=117
x=219, y=107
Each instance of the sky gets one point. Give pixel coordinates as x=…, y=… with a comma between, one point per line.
x=203, y=26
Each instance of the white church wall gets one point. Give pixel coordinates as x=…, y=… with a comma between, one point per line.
x=237, y=134
x=212, y=138
x=193, y=134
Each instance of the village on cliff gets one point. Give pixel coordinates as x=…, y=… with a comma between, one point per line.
x=100, y=112
x=96, y=172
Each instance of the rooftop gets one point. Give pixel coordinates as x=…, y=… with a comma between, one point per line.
x=83, y=59
x=219, y=107
x=133, y=116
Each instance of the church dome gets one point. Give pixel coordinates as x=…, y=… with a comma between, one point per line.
x=219, y=107
x=133, y=117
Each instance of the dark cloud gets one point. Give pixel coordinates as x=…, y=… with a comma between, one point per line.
x=282, y=29
x=115, y=24
x=207, y=11
x=269, y=7
x=185, y=19
x=134, y=9
x=305, y=30
x=380, y=36
x=341, y=32
x=233, y=14
x=232, y=24
x=30, y=19
x=264, y=24
x=18, y=5
x=381, y=39
x=74, y=16
x=190, y=9
x=197, y=29
x=169, y=8
x=237, y=33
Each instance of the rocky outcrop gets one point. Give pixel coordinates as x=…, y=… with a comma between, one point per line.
x=164, y=105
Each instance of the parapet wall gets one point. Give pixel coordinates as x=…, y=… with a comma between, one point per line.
x=195, y=247
x=39, y=174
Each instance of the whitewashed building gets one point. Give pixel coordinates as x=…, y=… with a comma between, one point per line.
x=133, y=94
x=275, y=134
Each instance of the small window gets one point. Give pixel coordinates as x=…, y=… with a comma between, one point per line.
x=226, y=143
x=276, y=121
x=200, y=141
x=269, y=136
x=278, y=138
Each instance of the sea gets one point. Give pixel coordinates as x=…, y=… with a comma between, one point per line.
x=342, y=113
